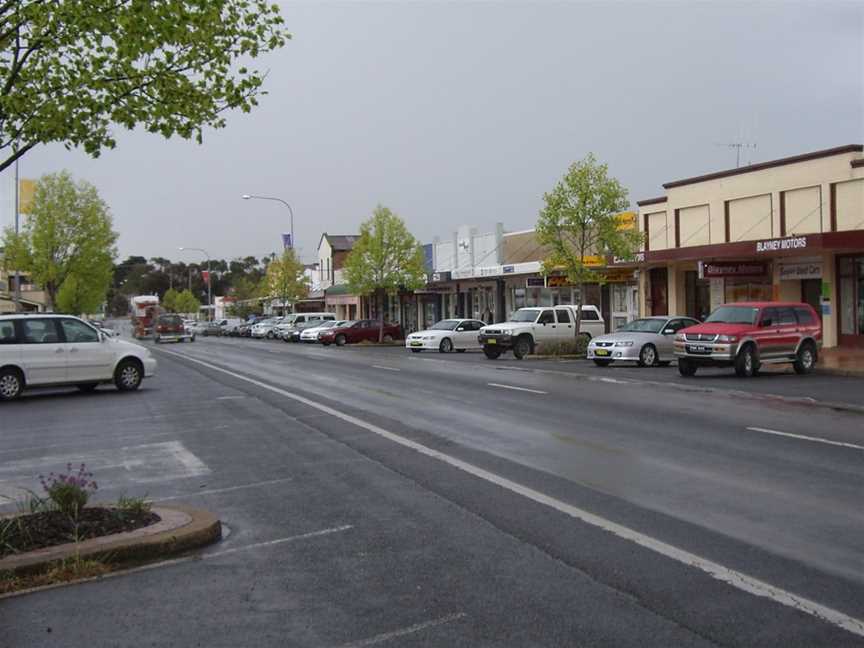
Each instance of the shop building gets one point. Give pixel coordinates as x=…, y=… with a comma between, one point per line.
x=332, y=252
x=789, y=229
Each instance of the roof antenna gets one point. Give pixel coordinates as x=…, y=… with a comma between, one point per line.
x=738, y=146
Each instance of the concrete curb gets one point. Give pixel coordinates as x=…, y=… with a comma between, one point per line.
x=180, y=529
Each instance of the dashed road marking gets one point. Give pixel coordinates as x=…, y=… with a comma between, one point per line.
x=395, y=634
x=385, y=368
x=227, y=489
x=732, y=577
x=804, y=437
x=514, y=388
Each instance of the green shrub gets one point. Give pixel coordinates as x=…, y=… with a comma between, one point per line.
x=564, y=347
x=69, y=492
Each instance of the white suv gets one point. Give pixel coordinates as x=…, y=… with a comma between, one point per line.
x=43, y=350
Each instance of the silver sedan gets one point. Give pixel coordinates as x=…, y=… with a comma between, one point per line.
x=646, y=341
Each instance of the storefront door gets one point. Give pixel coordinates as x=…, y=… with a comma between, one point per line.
x=850, y=274
x=811, y=292
x=659, y=280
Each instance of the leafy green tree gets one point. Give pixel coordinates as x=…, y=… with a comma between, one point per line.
x=581, y=218
x=169, y=301
x=384, y=259
x=285, y=281
x=69, y=70
x=67, y=237
x=187, y=303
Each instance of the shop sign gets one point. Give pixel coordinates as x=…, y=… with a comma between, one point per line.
x=781, y=245
x=619, y=274
x=508, y=269
x=489, y=271
x=438, y=277
x=743, y=269
x=535, y=282
x=463, y=274
x=792, y=271
x=556, y=281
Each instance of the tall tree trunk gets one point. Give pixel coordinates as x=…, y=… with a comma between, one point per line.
x=51, y=291
x=381, y=316
x=579, y=302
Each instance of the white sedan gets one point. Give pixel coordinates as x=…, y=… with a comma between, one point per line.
x=446, y=336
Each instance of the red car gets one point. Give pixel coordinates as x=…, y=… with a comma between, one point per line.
x=746, y=335
x=170, y=327
x=359, y=331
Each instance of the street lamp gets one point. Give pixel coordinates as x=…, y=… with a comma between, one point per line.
x=290, y=211
x=209, y=280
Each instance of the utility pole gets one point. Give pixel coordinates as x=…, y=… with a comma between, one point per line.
x=17, y=296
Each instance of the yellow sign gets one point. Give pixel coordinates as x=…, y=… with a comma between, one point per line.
x=626, y=220
x=26, y=193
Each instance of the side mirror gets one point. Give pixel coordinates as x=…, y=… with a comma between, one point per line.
x=461, y=328
x=669, y=331
x=767, y=322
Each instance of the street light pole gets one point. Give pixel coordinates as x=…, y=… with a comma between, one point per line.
x=290, y=211
x=209, y=280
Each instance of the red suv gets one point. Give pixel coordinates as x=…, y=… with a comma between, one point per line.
x=746, y=335
x=359, y=331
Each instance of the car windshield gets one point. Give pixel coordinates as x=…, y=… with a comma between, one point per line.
x=733, y=315
x=524, y=316
x=648, y=325
x=444, y=325
x=170, y=320
x=329, y=324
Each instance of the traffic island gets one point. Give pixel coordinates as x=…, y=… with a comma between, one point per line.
x=173, y=530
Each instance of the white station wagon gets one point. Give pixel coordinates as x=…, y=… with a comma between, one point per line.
x=44, y=350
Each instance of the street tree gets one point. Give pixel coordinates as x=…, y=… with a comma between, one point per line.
x=285, y=281
x=384, y=259
x=581, y=218
x=68, y=237
x=187, y=303
x=70, y=70
x=169, y=301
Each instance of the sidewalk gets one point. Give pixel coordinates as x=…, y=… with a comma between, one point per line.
x=842, y=362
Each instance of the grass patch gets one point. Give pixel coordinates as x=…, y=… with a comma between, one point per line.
x=560, y=348
x=66, y=571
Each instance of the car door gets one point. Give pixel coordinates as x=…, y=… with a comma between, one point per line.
x=472, y=330
x=666, y=337
x=461, y=335
x=10, y=350
x=43, y=354
x=545, y=327
x=767, y=333
x=787, y=331
x=88, y=358
x=566, y=325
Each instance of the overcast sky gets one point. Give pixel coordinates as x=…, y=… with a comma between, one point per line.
x=465, y=113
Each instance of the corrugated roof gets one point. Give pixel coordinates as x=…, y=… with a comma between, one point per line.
x=341, y=242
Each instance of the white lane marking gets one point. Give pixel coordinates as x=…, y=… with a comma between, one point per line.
x=715, y=570
x=804, y=437
x=177, y=561
x=524, y=389
x=271, y=543
x=614, y=381
x=230, y=397
x=227, y=489
x=417, y=627
x=84, y=441
x=385, y=368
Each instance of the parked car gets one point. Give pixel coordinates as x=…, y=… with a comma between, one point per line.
x=291, y=327
x=746, y=335
x=359, y=331
x=310, y=335
x=266, y=328
x=170, y=328
x=530, y=327
x=647, y=341
x=229, y=325
x=446, y=336
x=245, y=329
x=188, y=324
x=206, y=329
x=47, y=350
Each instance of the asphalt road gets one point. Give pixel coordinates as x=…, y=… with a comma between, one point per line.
x=466, y=503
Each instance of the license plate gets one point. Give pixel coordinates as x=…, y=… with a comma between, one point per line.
x=601, y=352
x=698, y=348
x=491, y=341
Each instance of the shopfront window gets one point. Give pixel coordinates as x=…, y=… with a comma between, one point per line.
x=743, y=289
x=851, y=285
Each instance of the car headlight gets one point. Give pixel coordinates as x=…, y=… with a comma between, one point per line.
x=624, y=343
x=506, y=334
x=727, y=338
x=679, y=337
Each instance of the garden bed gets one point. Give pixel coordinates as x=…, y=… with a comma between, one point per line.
x=33, y=531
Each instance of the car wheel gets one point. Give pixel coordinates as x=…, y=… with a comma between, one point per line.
x=387, y=339
x=805, y=360
x=341, y=340
x=446, y=346
x=585, y=335
x=492, y=354
x=648, y=356
x=270, y=335
x=87, y=387
x=602, y=363
x=11, y=384
x=128, y=375
x=416, y=350
x=746, y=364
x=522, y=347
x=686, y=368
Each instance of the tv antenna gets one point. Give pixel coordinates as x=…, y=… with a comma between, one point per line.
x=738, y=146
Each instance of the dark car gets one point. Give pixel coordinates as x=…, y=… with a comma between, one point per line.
x=171, y=328
x=359, y=331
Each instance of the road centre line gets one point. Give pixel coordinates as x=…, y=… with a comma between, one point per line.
x=385, y=368
x=227, y=489
x=804, y=437
x=736, y=579
x=514, y=388
x=278, y=541
x=395, y=634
